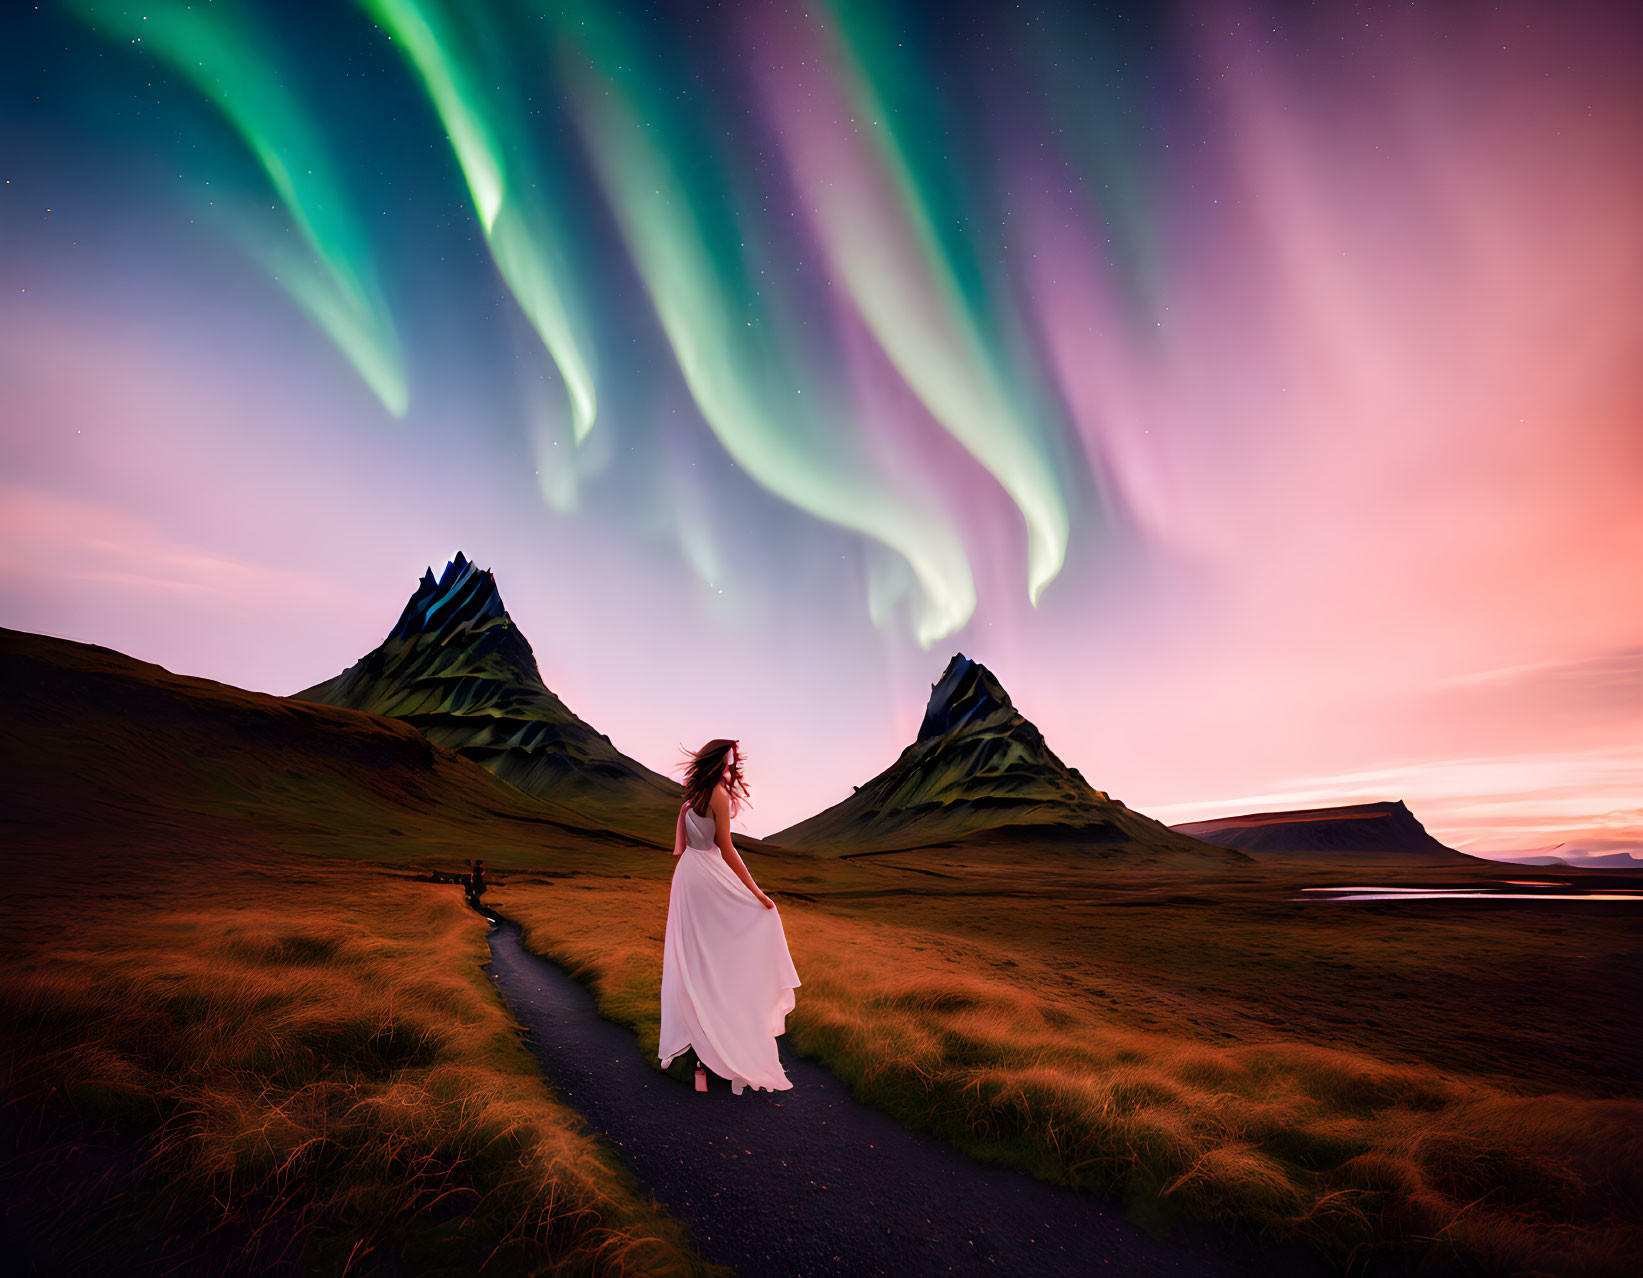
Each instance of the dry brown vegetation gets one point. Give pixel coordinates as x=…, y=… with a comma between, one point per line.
x=315, y=1068
x=1214, y=1049
x=239, y=1032
x=204, y=949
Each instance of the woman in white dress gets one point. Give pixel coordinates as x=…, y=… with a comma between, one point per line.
x=727, y=978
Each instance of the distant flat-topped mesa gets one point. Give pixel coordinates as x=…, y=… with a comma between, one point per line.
x=1355, y=834
x=979, y=772
x=457, y=668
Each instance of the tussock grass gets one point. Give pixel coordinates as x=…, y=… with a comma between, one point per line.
x=319, y=1069
x=1300, y=1139
x=232, y=1041
x=317, y=1064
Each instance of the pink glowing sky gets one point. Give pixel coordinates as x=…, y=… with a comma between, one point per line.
x=1376, y=469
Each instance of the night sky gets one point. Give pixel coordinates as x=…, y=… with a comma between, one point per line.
x=1255, y=390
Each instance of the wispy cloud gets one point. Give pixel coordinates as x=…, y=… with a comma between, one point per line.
x=47, y=537
x=1602, y=685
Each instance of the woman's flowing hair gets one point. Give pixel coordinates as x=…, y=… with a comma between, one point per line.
x=705, y=768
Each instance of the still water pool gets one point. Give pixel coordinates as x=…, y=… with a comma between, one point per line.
x=1503, y=892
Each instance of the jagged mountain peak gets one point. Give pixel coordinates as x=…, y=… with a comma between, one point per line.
x=966, y=691
x=456, y=667
x=981, y=774
x=463, y=599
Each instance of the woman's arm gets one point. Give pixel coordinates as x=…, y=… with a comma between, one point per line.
x=679, y=832
x=727, y=849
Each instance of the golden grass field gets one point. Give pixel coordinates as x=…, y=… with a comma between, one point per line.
x=314, y=1049
x=220, y=976
x=1364, y=1079
x=239, y=1031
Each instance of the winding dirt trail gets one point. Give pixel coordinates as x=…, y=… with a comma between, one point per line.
x=811, y=1182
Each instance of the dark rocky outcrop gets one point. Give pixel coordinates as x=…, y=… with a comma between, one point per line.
x=1354, y=834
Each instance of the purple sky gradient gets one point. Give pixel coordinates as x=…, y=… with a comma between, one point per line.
x=1362, y=513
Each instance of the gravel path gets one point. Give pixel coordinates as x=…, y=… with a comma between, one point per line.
x=811, y=1182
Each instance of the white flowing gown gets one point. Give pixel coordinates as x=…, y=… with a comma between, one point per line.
x=727, y=978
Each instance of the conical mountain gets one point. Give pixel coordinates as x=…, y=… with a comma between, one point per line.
x=457, y=668
x=979, y=772
x=1353, y=834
